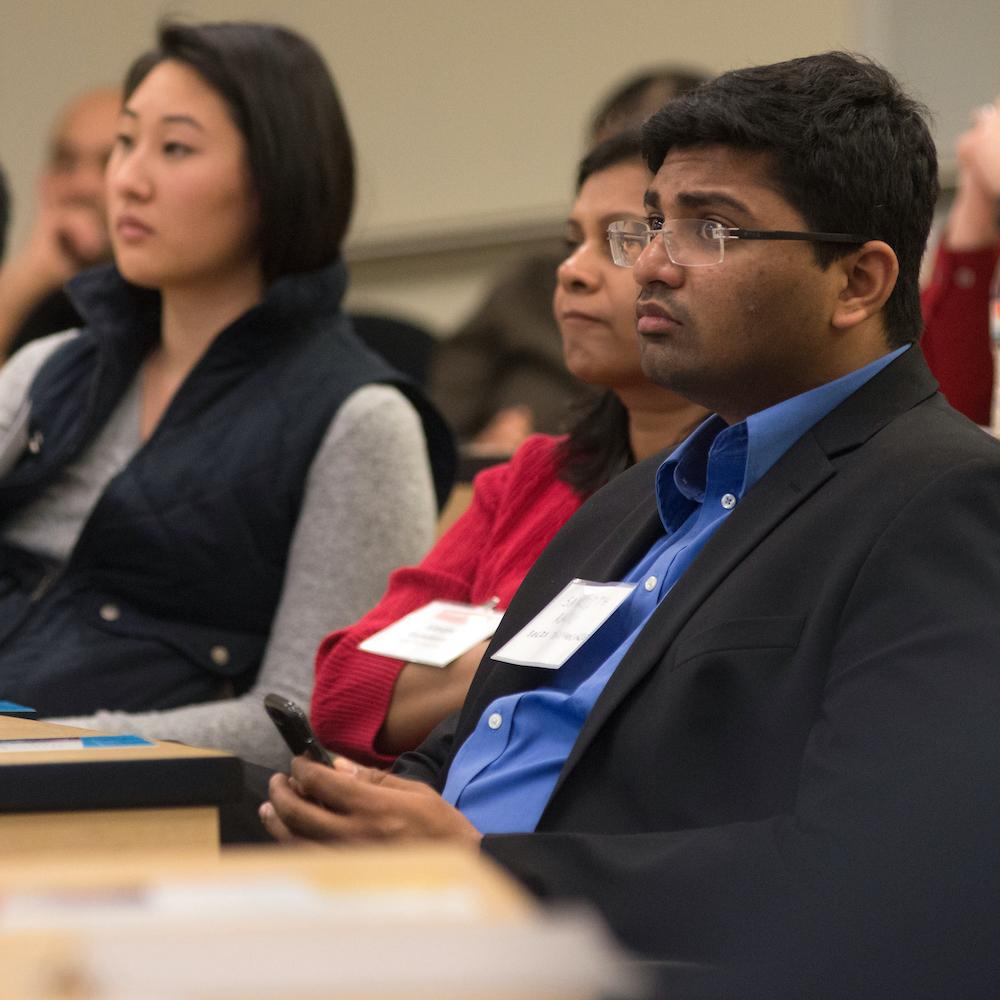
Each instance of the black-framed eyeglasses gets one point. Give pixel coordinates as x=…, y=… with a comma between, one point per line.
x=699, y=242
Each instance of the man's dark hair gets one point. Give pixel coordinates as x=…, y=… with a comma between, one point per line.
x=283, y=101
x=849, y=151
x=597, y=447
x=4, y=212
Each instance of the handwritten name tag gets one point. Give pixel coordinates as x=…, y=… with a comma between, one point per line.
x=435, y=634
x=564, y=624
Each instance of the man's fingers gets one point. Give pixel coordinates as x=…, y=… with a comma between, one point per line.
x=323, y=803
x=348, y=787
x=269, y=816
x=345, y=789
x=301, y=818
x=273, y=824
x=358, y=803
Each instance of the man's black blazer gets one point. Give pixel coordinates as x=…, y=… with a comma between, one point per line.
x=792, y=780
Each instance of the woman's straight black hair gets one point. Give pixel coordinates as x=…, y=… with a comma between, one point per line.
x=285, y=104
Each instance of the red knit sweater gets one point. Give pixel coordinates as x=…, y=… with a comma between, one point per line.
x=515, y=510
x=956, y=339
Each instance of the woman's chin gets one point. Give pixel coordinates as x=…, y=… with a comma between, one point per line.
x=590, y=371
x=137, y=274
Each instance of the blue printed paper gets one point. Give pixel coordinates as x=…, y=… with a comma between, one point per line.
x=12, y=708
x=49, y=744
x=103, y=742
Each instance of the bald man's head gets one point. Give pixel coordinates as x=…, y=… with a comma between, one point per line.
x=80, y=146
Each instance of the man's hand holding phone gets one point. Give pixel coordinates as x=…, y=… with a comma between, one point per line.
x=332, y=798
x=356, y=804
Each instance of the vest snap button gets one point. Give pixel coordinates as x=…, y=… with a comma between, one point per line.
x=35, y=442
x=220, y=655
x=110, y=612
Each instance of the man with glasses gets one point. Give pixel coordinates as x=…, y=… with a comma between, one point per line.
x=746, y=702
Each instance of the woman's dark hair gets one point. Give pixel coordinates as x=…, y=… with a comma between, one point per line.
x=619, y=148
x=639, y=96
x=848, y=149
x=283, y=101
x=597, y=447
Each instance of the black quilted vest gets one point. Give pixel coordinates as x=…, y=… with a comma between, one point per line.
x=168, y=596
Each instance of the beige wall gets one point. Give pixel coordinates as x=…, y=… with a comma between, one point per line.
x=468, y=114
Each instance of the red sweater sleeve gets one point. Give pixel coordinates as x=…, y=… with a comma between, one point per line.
x=515, y=510
x=956, y=340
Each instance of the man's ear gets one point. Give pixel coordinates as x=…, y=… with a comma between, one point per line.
x=868, y=277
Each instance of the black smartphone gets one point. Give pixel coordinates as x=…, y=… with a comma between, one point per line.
x=294, y=727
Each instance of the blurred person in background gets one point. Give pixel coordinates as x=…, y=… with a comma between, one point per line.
x=956, y=340
x=69, y=232
x=501, y=377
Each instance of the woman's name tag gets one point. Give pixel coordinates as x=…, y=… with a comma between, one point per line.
x=564, y=624
x=435, y=634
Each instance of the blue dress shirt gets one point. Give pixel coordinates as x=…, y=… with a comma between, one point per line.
x=502, y=776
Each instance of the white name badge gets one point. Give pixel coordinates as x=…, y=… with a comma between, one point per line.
x=435, y=634
x=564, y=624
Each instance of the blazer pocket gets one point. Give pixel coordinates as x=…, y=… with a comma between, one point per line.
x=742, y=633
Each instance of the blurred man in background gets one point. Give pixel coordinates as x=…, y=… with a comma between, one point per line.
x=69, y=232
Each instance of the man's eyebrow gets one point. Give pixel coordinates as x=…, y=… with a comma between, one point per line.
x=651, y=199
x=706, y=199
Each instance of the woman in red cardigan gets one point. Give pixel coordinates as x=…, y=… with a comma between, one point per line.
x=371, y=708
x=956, y=339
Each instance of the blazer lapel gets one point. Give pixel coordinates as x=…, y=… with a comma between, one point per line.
x=764, y=507
x=619, y=542
x=798, y=474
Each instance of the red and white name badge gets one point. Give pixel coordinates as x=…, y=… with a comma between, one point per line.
x=437, y=633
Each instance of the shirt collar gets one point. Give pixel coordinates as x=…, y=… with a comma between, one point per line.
x=773, y=431
x=759, y=441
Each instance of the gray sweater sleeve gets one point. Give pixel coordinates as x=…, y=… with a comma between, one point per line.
x=16, y=377
x=369, y=507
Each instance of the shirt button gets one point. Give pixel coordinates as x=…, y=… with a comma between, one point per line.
x=110, y=612
x=729, y=501
x=35, y=442
x=495, y=721
x=220, y=655
x=650, y=582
